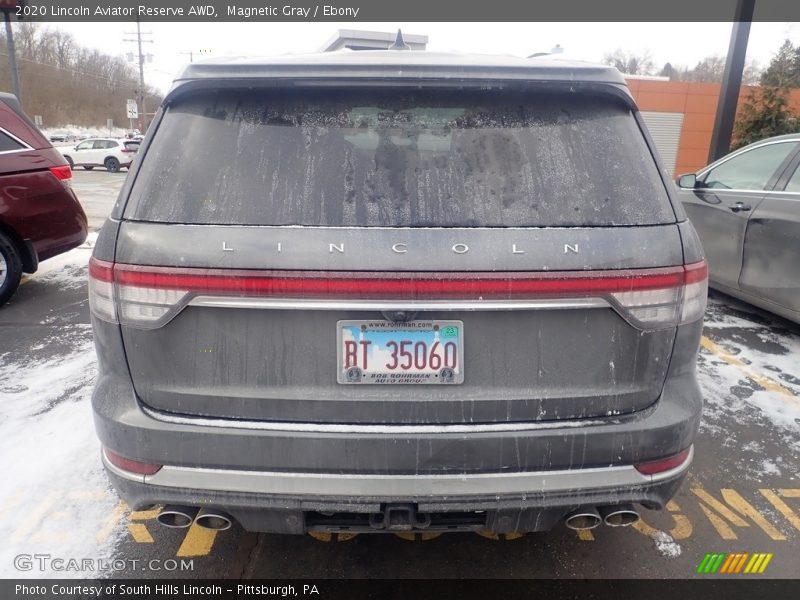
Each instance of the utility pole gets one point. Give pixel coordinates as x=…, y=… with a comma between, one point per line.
x=191, y=53
x=731, y=81
x=7, y=7
x=142, y=92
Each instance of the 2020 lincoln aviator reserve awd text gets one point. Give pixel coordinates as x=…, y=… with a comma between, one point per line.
x=397, y=290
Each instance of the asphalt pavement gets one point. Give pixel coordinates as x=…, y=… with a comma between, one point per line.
x=742, y=495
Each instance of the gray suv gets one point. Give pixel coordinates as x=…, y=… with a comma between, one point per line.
x=397, y=290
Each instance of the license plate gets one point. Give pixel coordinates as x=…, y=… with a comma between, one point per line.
x=382, y=352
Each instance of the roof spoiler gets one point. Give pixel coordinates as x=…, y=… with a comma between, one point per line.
x=616, y=92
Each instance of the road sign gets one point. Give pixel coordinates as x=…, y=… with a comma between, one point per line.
x=37, y=120
x=133, y=110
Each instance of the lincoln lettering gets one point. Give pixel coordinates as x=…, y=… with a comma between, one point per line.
x=403, y=248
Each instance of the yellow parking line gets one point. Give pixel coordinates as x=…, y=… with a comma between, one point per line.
x=140, y=533
x=34, y=517
x=198, y=541
x=762, y=380
x=144, y=515
x=782, y=507
x=107, y=528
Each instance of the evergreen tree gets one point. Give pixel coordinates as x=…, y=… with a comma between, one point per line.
x=784, y=68
x=766, y=111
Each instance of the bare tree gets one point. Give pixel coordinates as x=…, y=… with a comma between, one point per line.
x=67, y=83
x=712, y=68
x=631, y=63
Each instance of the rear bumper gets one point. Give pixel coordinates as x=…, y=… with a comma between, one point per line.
x=296, y=503
x=277, y=477
x=502, y=481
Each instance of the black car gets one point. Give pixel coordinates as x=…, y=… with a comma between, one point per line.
x=746, y=209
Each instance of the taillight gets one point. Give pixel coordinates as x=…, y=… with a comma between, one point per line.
x=668, y=305
x=695, y=292
x=145, y=296
x=130, y=465
x=62, y=172
x=663, y=464
x=101, y=290
x=125, y=150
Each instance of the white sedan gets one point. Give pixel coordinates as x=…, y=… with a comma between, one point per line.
x=111, y=153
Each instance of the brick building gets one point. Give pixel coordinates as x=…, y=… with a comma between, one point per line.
x=680, y=116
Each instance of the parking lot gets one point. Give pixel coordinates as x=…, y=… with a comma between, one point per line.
x=742, y=494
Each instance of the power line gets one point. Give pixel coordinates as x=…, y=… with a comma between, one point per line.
x=142, y=94
x=70, y=70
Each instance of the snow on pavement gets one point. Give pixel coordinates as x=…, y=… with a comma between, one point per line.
x=769, y=350
x=56, y=498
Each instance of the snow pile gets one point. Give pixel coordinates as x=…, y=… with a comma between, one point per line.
x=55, y=496
x=763, y=350
x=68, y=271
x=666, y=545
x=79, y=132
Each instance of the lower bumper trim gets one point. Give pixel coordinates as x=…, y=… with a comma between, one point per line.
x=348, y=485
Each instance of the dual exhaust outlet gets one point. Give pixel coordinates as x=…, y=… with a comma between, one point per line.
x=619, y=515
x=180, y=517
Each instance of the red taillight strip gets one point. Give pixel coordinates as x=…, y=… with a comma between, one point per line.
x=695, y=272
x=664, y=464
x=130, y=465
x=62, y=173
x=377, y=285
x=101, y=270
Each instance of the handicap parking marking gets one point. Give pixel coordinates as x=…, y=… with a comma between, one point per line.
x=681, y=530
x=733, y=510
x=110, y=524
x=140, y=533
x=198, y=541
x=324, y=536
x=34, y=518
x=774, y=498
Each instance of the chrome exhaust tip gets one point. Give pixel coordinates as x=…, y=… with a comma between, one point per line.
x=620, y=515
x=583, y=518
x=177, y=517
x=216, y=520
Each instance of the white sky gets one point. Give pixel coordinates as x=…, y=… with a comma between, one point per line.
x=678, y=43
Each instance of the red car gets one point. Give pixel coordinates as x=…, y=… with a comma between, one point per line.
x=39, y=213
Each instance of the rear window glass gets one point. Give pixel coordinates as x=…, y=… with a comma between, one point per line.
x=9, y=144
x=398, y=158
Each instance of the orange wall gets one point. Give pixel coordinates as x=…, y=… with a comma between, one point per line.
x=698, y=103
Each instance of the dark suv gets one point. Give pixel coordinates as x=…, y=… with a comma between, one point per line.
x=385, y=290
x=40, y=216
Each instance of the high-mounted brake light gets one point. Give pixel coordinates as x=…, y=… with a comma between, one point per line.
x=62, y=172
x=144, y=296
